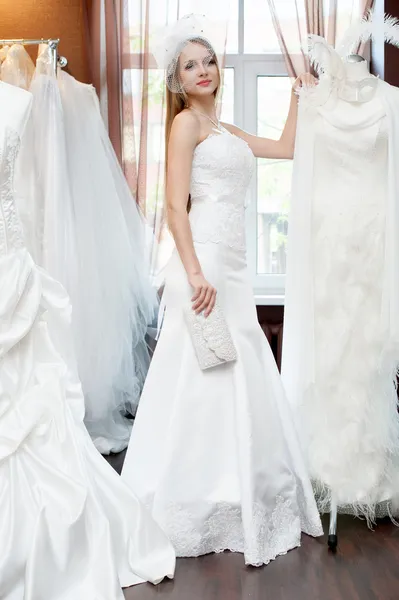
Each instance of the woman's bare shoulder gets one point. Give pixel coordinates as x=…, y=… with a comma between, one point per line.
x=185, y=128
x=186, y=119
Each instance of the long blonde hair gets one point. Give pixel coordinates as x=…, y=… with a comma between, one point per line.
x=176, y=102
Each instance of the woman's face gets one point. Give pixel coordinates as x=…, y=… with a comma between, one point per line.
x=198, y=71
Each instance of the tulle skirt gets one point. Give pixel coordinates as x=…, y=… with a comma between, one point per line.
x=82, y=225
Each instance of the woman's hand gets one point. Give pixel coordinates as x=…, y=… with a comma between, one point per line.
x=284, y=147
x=204, y=297
x=304, y=80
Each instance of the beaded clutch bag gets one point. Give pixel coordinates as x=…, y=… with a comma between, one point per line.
x=211, y=338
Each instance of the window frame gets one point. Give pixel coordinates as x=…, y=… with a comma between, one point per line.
x=268, y=288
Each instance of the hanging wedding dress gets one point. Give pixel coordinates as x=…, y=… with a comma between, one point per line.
x=17, y=67
x=69, y=526
x=83, y=226
x=113, y=288
x=214, y=454
x=341, y=333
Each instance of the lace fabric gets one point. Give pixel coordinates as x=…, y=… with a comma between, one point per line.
x=11, y=237
x=273, y=532
x=211, y=338
x=221, y=171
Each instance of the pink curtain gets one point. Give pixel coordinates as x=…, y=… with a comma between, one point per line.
x=294, y=20
x=108, y=36
x=131, y=92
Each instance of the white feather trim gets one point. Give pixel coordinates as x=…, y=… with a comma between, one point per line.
x=369, y=28
x=323, y=57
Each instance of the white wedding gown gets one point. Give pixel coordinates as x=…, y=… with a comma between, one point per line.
x=70, y=528
x=214, y=454
x=341, y=350
x=82, y=225
x=17, y=67
x=114, y=285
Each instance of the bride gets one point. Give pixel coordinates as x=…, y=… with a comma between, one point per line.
x=213, y=452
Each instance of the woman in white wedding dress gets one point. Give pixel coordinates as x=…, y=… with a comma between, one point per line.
x=213, y=453
x=70, y=528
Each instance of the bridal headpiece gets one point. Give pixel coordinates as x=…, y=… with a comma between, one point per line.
x=168, y=43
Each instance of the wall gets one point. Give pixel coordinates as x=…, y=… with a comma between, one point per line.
x=391, y=69
x=49, y=18
x=385, y=57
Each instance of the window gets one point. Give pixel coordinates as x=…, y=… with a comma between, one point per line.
x=273, y=177
x=262, y=91
x=227, y=109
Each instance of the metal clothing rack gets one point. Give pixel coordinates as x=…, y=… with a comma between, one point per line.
x=51, y=42
x=332, y=531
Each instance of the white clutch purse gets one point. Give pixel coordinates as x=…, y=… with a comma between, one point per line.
x=211, y=338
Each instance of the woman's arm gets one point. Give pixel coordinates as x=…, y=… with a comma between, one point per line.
x=183, y=139
x=284, y=147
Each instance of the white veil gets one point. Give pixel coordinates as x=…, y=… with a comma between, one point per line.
x=112, y=297
x=84, y=228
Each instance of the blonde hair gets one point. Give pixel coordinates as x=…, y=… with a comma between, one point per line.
x=176, y=102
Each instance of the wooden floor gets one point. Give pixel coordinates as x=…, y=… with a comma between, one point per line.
x=365, y=567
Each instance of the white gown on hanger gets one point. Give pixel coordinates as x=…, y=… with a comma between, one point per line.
x=341, y=342
x=214, y=454
x=84, y=227
x=114, y=287
x=17, y=67
x=70, y=528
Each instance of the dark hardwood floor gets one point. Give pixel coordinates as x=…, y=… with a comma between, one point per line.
x=365, y=567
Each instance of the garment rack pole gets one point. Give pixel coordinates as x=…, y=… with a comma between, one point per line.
x=51, y=42
x=29, y=42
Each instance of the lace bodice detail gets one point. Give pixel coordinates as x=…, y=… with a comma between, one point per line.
x=11, y=237
x=221, y=171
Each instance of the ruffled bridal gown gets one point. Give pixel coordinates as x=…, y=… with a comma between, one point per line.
x=214, y=454
x=70, y=528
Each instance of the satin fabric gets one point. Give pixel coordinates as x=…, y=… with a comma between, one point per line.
x=69, y=526
x=70, y=529
x=214, y=453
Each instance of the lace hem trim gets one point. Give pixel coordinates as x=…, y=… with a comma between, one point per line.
x=270, y=532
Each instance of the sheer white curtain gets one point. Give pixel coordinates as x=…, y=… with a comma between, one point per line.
x=294, y=19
